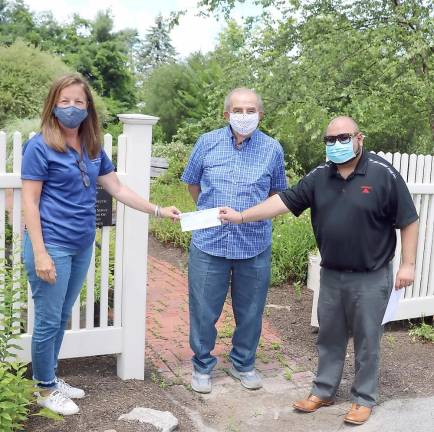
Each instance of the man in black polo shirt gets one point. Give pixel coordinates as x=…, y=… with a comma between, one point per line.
x=357, y=201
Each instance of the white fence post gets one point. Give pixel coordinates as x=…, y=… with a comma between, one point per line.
x=138, y=132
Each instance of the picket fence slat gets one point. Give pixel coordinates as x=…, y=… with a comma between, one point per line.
x=2, y=199
x=90, y=297
x=424, y=242
x=397, y=258
x=16, y=224
x=105, y=254
x=119, y=242
x=3, y=156
x=411, y=179
x=30, y=305
x=420, y=210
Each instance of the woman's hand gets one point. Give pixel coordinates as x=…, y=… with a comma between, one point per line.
x=45, y=268
x=170, y=212
x=226, y=214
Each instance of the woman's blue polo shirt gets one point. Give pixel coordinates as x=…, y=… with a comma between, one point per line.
x=67, y=207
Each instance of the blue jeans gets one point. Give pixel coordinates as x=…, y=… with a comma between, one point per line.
x=53, y=305
x=209, y=278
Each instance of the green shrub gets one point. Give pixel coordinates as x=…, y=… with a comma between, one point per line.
x=293, y=239
x=16, y=394
x=27, y=73
x=165, y=194
x=16, y=391
x=176, y=154
x=423, y=332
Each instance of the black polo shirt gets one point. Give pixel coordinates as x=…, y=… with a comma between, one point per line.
x=354, y=219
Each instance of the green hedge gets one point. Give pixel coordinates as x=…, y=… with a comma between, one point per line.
x=27, y=74
x=165, y=194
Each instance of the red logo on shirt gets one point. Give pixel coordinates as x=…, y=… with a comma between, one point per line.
x=366, y=189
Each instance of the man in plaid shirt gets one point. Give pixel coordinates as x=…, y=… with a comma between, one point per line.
x=237, y=166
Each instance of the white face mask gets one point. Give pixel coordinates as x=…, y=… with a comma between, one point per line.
x=244, y=124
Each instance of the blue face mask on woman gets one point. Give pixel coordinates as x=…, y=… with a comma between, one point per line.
x=70, y=117
x=339, y=149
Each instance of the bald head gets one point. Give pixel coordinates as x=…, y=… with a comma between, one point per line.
x=342, y=124
x=243, y=96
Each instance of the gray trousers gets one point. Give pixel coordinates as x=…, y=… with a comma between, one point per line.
x=351, y=304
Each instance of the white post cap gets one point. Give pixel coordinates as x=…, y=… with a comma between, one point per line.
x=138, y=119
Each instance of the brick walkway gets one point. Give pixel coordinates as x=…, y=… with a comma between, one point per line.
x=167, y=331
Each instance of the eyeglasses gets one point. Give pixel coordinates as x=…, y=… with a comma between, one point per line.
x=344, y=138
x=83, y=171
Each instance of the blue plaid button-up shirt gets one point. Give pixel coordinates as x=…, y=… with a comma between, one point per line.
x=238, y=177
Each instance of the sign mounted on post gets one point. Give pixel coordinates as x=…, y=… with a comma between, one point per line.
x=103, y=207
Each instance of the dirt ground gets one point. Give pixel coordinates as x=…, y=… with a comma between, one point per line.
x=406, y=369
x=406, y=366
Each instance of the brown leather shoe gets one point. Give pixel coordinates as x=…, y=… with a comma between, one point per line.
x=311, y=404
x=358, y=414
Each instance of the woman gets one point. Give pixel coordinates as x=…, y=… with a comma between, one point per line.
x=60, y=169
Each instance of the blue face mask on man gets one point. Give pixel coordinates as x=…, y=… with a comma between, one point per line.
x=339, y=148
x=70, y=117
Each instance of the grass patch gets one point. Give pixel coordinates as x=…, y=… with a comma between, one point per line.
x=293, y=239
x=166, y=194
x=226, y=331
x=288, y=374
x=423, y=332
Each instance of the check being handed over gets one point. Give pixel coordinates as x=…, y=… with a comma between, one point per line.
x=200, y=219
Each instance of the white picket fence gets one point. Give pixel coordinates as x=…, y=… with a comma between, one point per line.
x=418, y=299
x=124, y=332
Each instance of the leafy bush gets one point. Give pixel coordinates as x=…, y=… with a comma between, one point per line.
x=177, y=155
x=293, y=239
x=16, y=394
x=16, y=391
x=423, y=332
x=27, y=74
x=164, y=194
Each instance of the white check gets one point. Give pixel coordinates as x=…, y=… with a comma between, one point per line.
x=200, y=219
x=392, y=305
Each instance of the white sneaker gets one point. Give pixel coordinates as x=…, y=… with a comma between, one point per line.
x=69, y=391
x=250, y=380
x=201, y=383
x=58, y=403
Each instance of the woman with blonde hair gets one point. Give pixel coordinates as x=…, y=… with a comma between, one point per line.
x=60, y=170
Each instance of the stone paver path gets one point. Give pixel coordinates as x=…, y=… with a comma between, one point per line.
x=167, y=344
x=230, y=407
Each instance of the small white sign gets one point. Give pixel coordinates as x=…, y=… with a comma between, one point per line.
x=200, y=219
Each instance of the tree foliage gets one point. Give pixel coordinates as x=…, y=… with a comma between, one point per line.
x=26, y=75
x=310, y=60
x=90, y=47
x=156, y=49
x=313, y=60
